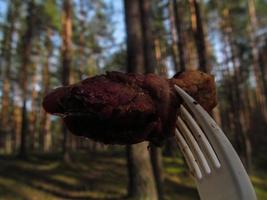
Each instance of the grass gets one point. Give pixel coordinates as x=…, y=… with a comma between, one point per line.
x=95, y=176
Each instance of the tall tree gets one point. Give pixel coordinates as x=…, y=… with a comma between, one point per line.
x=255, y=57
x=141, y=181
x=199, y=35
x=148, y=37
x=6, y=55
x=263, y=67
x=50, y=24
x=238, y=107
x=45, y=122
x=81, y=38
x=174, y=41
x=150, y=66
x=33, y=112
x=66, y=61
x=135, y=56
x=26, y=47
x=178, y=14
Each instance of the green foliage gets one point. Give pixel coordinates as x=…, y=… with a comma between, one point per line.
x=261, y=7
x=117, y=61
x=94, y=25
x=52, y=14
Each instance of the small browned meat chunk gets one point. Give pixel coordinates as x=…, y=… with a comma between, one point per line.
x=199, y=85
x=119, y=108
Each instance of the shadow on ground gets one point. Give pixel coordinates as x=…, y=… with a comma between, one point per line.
x=100, y=176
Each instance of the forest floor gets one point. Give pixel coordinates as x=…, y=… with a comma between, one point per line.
x=92, y=176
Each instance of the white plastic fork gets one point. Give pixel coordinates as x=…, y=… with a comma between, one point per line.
x=216, y=167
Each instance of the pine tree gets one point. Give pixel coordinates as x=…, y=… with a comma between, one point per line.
x=177, y=10
x=141, y=181
x=199, y=35
x=6, y=55
x=66, y=62
x=26, y=46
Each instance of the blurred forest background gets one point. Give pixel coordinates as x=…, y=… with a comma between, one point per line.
x=45, y=44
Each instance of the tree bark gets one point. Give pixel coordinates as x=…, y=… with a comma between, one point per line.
x=174, y=50
x=66, y=62
x=161, y=66
x=263, y=66
x=261, y=99
x=141, y=183
x=148, y=37
x=157, y=164
x=177, y=10
x=45, y=134
x=135, y=58
x=150, y=66
x=6, y=55
x=17, y=126
x=26, y=52
x=199, y=35
x=81, y=38
x=32, y=114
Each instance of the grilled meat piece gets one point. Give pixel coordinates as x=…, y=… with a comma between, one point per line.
x=119, y=108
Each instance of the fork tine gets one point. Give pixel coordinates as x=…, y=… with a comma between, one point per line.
x=178, y=142
x=235, y=179
x=200, y=136
x=188, y=154
x=193, y=145
x=208, y=125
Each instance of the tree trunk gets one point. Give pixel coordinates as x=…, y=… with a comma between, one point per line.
x=23, y=132
x=135, y=55
x=150, y=66
x=148, y=37
x=157, y=164
x=17, y=122
x=141, y=183
x=81, y=38
x=66, y=62
x=263, y=70
x=161, y=66
x=199, y=35
x=6, y=56
x=261, y=99
x=240, y=111
x=177, y=10
x=32, y=114
x=45, y=134
x=26, y=52
x=174, y=50
x=5, y=112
